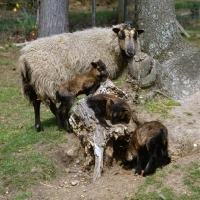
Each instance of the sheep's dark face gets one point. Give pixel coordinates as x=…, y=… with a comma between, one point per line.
x=128, y=40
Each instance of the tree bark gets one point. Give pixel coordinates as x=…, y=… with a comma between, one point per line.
x=162, y=40
x=52, y=17
x=93, y=13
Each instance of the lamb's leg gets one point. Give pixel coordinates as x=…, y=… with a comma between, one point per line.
x=151, y=165
x=59, y=117
x=65, y=115
x=65, y=111
x=38, y=125
x=138, y=169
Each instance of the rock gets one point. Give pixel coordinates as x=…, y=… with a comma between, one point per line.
x=74, y=182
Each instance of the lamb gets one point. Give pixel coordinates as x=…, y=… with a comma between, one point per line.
x=45, y=64
x=109, y=107
x=85, y=83
x=149, y=144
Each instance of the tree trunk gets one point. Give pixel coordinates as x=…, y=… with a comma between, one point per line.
x=52, y=17
x=162, y=40
x=121, y=11
x=93, y=13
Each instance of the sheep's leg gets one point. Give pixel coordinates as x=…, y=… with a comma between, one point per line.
x=53, y=108
x=38, y=125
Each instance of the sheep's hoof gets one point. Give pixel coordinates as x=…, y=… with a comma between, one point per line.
x=39, y=128
x=69, y=131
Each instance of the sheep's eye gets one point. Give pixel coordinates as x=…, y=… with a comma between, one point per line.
x=121, y=35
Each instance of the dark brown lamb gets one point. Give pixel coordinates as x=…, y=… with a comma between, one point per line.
x=149, y=144
x=106, y=106
x=85, y=83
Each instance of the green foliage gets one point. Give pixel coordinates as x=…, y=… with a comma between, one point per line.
x=186, y=4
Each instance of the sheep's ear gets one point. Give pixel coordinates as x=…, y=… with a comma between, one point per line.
x=94, y=64
x=116, y=30
x=140, y=31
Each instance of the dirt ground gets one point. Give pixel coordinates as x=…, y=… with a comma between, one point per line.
x=117, y=183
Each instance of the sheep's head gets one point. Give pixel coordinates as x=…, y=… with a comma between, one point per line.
x=128, y=39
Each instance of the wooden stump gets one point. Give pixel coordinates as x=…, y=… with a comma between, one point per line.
x=97, y=141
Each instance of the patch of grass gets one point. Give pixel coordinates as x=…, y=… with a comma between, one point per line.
x=188, y=113
x=161, y=107
x=22, y=196
x=119, y=81
x=154, y=186
x=186, y=4
x=22, y=169
x=192, y=178
x=24, y=158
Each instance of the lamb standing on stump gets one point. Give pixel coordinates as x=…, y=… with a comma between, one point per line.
x=149, y=144
x=45, y=64
x=85, y=83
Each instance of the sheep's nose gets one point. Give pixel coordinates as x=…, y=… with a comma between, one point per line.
x=130, y=52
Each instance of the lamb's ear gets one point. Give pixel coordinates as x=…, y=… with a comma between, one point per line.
x=94, y=64
x=124, y=108
x=111, y=102
x=116, y=30
x=140, y=31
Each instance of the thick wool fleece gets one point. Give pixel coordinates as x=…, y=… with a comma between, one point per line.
x=49, y=62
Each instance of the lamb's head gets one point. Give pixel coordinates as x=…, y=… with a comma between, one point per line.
x=128, y=39
x=100, y=70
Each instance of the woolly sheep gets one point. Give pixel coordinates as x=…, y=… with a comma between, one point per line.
x=45, y=64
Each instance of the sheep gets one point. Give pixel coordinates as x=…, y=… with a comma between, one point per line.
x=149, y=144
x=85, y=83
x=109, y=107
x=45, y=64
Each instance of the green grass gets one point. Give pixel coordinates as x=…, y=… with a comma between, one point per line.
x=154, y=187
x=186, y=4
x=24, y=158
x=188, y=113
x=161, y=107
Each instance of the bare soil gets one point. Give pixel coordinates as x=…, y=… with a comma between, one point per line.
x=116, y=183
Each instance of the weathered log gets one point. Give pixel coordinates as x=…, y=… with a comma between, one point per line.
x=97, y=141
